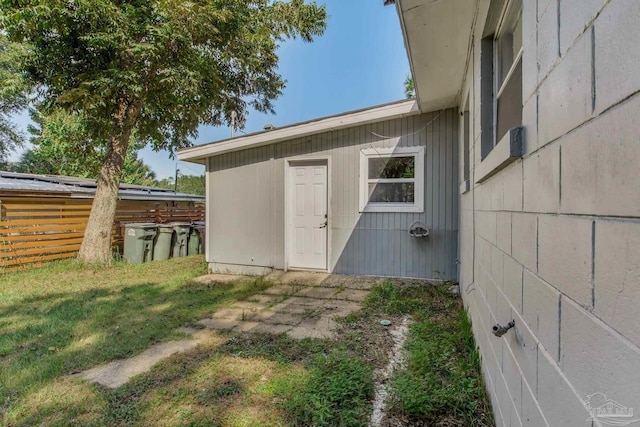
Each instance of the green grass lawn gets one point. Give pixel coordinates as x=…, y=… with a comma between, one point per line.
x=65, y=318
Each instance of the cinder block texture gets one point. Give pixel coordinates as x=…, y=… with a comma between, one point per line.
x=531, y=413
x=559, y=403
x=548, y=47
x=524, y=239
x=504, y=232
x=617, y=276
x=600, y=164
x=575, y=15
x=565, y=99
x=530, y=51
x=530, y=124
x=524, y=347
x=557, y=233
x=596, y=359
x=541, y=310
x=486, y=225
x=617, y=52
x=512, y=282
x=542, y=180
x=511, y=187
x=565, y=255
x=513, y=380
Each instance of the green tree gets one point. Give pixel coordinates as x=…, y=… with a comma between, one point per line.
x=135, y=171
x=32, y=162
x=65, y=142
x=409, y=88
x=13, y=95
x=156, y=68
x=190, y=184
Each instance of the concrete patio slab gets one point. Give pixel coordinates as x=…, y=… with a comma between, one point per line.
x=298, y=277
x=352, y=282
x=284, y=319
x=323, y=323
x=282, y=290
x=117, y=373
x=356, y=295
x=266, y=299
x=231, y=314
x=220, y=324
x=250, y=306
x=302, y=305
x=318, y=292
x=288, y=307
x=245, y=326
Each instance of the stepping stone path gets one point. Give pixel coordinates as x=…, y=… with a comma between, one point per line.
x=301, y=305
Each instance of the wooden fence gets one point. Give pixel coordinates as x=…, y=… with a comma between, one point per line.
x=35, y=231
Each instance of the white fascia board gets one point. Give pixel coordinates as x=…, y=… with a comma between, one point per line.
x=405, y=38
x=385, y=112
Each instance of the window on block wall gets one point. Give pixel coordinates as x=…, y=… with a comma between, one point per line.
x=465, y=135
x=392, y=179
x=501, y=74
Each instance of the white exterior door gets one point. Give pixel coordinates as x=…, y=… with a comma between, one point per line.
x=308, y=221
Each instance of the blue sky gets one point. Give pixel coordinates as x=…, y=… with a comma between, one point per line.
x=360, y=61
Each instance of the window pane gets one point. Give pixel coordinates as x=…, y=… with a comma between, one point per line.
x=509, y=42
x=509, y=114
x=392, y=167
x=391, y=192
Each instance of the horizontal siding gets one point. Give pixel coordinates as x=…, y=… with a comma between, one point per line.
x=247, y=201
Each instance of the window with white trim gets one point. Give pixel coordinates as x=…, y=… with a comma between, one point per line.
x=501, y=73
x=392, y=179
x=508, y=70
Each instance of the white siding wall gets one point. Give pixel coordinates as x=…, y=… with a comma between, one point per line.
x=553, y=241
x=246, y=201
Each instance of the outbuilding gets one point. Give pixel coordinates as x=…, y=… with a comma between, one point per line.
x=367, y=192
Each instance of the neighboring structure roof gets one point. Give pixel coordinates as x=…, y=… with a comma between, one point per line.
x=437, y=36
x=16, y=183
x=389, y=111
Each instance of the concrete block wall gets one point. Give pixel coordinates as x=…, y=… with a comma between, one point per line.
x=553, y=240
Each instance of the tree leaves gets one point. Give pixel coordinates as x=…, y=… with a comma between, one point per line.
x=63, y=145
x=188, y=62
x=14, y=91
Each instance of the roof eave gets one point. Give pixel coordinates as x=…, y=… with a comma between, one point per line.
x=198, y=154
x=437, y=38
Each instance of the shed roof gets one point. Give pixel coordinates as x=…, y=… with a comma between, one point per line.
x=16, y=183
x=403, y=108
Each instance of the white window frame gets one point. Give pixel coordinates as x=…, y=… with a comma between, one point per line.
x=499, y=88
x=418, y=179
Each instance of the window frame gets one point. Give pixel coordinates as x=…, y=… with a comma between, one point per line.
x=498, y=89
x=465, y=144
x=418, y=197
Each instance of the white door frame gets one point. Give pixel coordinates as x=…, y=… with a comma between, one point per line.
x=287, y=215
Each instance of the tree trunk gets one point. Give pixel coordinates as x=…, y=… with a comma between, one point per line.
x=96, y=245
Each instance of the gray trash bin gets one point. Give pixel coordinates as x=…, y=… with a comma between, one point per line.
x=138, y=241
x=180, y=238
x=163, y=245
x=196, y=238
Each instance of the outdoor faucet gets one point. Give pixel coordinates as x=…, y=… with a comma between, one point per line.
x=499, y=330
